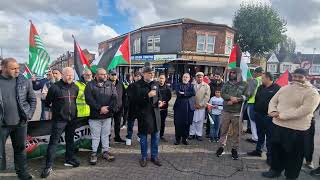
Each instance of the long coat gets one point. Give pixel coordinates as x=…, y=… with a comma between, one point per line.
x=148, y=108
x=185, y=104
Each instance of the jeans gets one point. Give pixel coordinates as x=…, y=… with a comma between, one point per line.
x=154, y=145
x=163, y=115
x=264, y=129
x=58, y=127
x=18, y=135
x=130, y=128
x=252, y=117
x=100, y=130
x=214, y=128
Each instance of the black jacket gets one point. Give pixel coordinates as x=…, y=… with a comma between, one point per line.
x=62, y=99
x=214, y=86
x=26, y=99
x=165, y=94
x=98, y=95
x=133, y=109
x=148, y=113
x=263, y=97
x=121, y=96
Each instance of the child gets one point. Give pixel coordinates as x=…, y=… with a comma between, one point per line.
x=217, y=106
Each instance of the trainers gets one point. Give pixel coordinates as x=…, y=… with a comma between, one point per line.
x=309, y=165
x=255, y=153
x=108, y=156
x=199, y=138
x=249, y=140
x=72, y=163
x=234, y=154
x=191, y=137
x=93, y=158
x=271, y=174
x=185, y=142
x=220, y=152
x=315, y=172
x=46, y=172
x=123, y=127
x=128, y=142
x=119, y=140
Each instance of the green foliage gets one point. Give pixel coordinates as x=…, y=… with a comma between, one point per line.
x=260, y=28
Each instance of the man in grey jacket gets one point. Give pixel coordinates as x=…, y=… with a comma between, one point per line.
x=17, y=105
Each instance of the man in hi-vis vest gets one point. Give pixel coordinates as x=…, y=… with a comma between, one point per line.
x=83, y=108
x=253, y=85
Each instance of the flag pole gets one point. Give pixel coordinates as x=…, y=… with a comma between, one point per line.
x=130, y=70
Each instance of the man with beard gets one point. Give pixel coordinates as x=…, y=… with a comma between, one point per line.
x=17, y=105
x=62, y=100
x=233, y=94
x=166, y=96
x=101, y=96
x=82, y=107
x=121, y=96
x=147, y=99
x=292, y=110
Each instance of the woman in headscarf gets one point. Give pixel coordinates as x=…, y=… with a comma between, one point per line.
x=183, y=109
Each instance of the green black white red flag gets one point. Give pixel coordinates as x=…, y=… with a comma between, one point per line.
x=80, y=61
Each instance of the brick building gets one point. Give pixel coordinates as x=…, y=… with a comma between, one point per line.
x=67, y=60
x=178, y=46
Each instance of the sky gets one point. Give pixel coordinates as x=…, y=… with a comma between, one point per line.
x=93, y=21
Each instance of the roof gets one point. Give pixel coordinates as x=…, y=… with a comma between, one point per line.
x=297, y=58
x=172, y=22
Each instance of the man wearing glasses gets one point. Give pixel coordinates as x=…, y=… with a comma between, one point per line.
x=292, y=110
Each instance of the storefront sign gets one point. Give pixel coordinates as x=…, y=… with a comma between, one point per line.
x=154, y=57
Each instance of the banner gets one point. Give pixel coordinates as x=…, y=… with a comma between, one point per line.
x=39, y=136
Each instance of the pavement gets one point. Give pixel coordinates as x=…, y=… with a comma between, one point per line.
x=196, y=161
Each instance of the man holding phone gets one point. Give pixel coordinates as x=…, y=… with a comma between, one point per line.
x=101, y=96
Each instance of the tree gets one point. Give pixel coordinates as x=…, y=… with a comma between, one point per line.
x=260, y=28
x=286, y=46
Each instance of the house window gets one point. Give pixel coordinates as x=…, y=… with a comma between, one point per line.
x=136, y=46
x=272, y=68
x=205, y=43
x=228, y=45
x=210, y=43
x=153, y=43
x=286, y=67
x=201, y=42
x=315, y=70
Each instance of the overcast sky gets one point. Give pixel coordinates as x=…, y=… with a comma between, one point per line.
x=92, y=21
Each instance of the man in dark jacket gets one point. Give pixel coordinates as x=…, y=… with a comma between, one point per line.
x=147, y=99
x=121, y=96
x=263, y=121
x=62, y=100
x=165, y=94
x=17, y=105
x=101, y=96
x=132, y=108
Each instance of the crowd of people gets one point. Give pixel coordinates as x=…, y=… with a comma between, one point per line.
x=280, y=118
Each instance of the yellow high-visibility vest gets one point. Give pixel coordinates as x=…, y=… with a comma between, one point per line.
x=252, y=99
x=82, y=107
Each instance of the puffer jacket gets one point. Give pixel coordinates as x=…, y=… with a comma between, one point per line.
x=62, y=99
x=98, y=95
x=26, y=99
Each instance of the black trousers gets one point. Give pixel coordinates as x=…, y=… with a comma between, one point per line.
x=18, y=137
x=207, y=123
x=58, y=127
x=309, y=142
x=117, y=124
x=163, y=115
x=125, y=115
x=287, y=151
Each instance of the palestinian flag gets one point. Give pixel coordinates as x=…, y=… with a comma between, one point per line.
x=27, y=73
x=122, y=55
x=39, y=59
x=283, y=80
x=39, y=135
x=235, y=57
x=80, y=61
